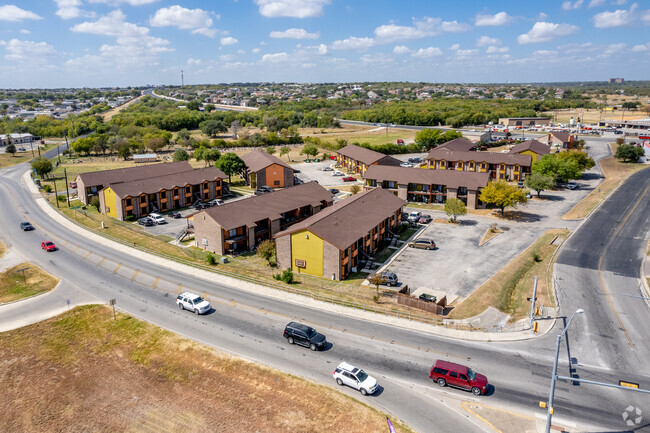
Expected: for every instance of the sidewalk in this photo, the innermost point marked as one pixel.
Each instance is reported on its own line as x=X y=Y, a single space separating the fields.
x=276 y=294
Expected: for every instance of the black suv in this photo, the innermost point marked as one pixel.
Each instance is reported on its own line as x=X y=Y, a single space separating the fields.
x=26 y=226
x=297 y=333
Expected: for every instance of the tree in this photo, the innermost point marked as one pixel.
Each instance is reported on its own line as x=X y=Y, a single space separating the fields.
x=284 y=150
x=376 y=280
x=354 y=189
x=124 y=151
x=82 y=145
x=11 y=149
x=560 y=169
x=183 y=135
x=630 y=105
x=231 y=164
x=584 y=161
x=428 y=138
x=627 y=152
x=309 y=150
x=42 y=166
x=209 y=108
x=180 y=155
x=193 y=105
x=502 y=195
x=270 y=150
x=538 y=182
x=213 y=127
x=156 y=144
x=455 y=207
x=266 y=250
x=235 y=127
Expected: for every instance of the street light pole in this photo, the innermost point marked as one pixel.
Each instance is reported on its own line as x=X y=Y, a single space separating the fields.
x=549 y=412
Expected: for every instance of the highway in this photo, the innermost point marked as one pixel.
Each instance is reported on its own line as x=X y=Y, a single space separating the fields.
x=250 y=325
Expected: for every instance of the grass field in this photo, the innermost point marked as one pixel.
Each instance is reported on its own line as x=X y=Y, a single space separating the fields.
x=6 y=160
x=3 y=250
x=508 y=289
x=108 y=115
x=83 y=371
x=13 y=287
x=591 y=116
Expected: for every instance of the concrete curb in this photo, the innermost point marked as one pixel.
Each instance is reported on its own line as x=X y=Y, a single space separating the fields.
x=272 y=293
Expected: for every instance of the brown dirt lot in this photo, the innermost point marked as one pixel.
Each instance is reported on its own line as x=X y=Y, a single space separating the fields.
x=85 y=372
x=593 y=115
x=113 y=111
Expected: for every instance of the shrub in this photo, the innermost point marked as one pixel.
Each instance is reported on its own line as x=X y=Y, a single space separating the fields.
x=95 y=203
x=130 y=218
x=211 y=259
x=376 y=298
x=61 y=197
x=537 y=257
x=286 y=276
x=47 y=188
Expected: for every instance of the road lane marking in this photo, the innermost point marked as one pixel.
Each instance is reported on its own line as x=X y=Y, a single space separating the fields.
x=600 y=262
x=119 y=265
x=135 y=274
x=155 y=282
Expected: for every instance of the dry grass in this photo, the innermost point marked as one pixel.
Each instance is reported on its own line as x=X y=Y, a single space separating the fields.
x=6 y=160
x=108 y=115
x=372 y=136
x=594 y=115
x=615 y=172
x=489 y=234
x=12 y=286
x=508 y=289
x=3 y=250
x=85 y=372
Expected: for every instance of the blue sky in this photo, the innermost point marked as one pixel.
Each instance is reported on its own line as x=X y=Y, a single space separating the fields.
x=94 y=43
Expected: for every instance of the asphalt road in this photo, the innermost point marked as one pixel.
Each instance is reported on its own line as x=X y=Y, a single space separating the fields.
x=250 y=325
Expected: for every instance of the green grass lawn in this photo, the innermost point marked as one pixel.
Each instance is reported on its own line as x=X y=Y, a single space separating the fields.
x=13 y=287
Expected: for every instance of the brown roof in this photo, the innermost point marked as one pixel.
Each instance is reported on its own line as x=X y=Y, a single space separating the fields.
x=366 y=156
x=451 y=178
x=350 y=219
x=106 y=177
x=489 y=157
x=533 y=146
x=258 y=160
x=564 y=137
x=169 y=181
x=461 y=144
x=272 y=205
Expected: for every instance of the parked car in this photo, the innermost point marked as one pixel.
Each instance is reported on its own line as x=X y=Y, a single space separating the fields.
x=295 y=170
x=48 y=246
x=190 y=301
x=26 y=226
x=404 y=216
x=388 y=279
x=400 y=141
x=200 y=206
x=175 y=215
x=328 y=168
x=520 y=184
x=346 y=374
x=427 y=297
x=297 y=333
x=263 y=190
x=414 y=217
x=415 y=160
x=349 y=179
x=334 y=190
x=425 y=219
x=456 y=375
x=157 y=218
x=333 y=157
x=406 y=164
x=146 y=221
x=22 y=149
x=572 y=184
x=216 y=202
x=338 y=173
x=297 y=181
x=73 y=185
x=425 y=244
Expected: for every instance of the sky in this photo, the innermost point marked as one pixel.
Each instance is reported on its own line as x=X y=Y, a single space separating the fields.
x=103 y=43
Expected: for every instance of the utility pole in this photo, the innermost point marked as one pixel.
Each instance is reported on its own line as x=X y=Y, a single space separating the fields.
x=56 y=194
x=532 y=304
x=67 y=190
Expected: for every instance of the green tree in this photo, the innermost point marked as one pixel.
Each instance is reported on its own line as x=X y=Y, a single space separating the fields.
x=630 y=105
x=209 y=108
x=266 y=250
x=11 y=148
x=42 y=166
x=180 y=155
x=124 y=151
x=156 y=144
x=627 y=152
x=270 y=150
x=502 y=195
x=82 y=145
x=284 y=150
x=193 y=105
x=231 y=164
x=560 y=169
x=584 y=161
x=539 y=182
x=455 y=207
x=309 y=150
x=213 y=127
x=183 y=135
x=428 y=138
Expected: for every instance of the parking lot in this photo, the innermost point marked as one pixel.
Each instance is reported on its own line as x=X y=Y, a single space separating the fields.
x=314 y=171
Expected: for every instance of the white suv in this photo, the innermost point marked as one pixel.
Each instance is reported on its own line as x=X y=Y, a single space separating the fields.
x=192 y=302
x=157 y=218
x=346 y=374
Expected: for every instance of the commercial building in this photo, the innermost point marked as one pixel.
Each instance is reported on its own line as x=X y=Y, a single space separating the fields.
x=267 y=170
x=534 y=148
x=428 y=186
x=334 y=242
x=89 y=184
x=160 y=193
x=15 y=139
x=145 y=157
x=357 y=159
x=507 y=166
x=240 y=225
x=524 y=121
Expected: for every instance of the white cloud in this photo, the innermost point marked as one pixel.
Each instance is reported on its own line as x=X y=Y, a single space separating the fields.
x=500 y=19
x=645 y=17
x=16 y=14
x=421 y=28
x=619 y=2
x=596 y=3
x=401 y=49
x=294 y=34
x=618 y=18
x=496 y=50
x=567 y=5
x=255 y=50
x=615 y=48
x=131 y=2
x=309 y=65
x=454 y=47
x=67 y=9
x=641 y=48
x=291 y=8
x=486 y=40
x=545 y=32
x=353 y=43
x=227 y=58
x=545 y=53
x=25 y=32
x=454 y=26
x=191 y=61
x=197 y=20
x=427 y=52
x=322 y=49
x=228 y=40
x=541 y=16
x=467 y=52
x=276 y=58
x=27 y=50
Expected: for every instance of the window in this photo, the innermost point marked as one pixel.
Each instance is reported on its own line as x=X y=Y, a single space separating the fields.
x=441 y=371
x=463 y=377
x=276 y=183
x=232 y=233
x=453 y=374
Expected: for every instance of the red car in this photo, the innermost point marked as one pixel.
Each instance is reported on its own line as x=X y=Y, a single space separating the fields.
x=333 y=157
x=349 y=179
x=425 y=219
x=48 y=246
x=459 y=376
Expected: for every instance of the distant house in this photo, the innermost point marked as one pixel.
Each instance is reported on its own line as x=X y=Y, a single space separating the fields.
x=461 y=144
x=563 y=140
x=238 y=226
x=534 y=148
x=357 y=159
x=476 y=136
x=267 y=170
x=145 y=157
x=524 y=121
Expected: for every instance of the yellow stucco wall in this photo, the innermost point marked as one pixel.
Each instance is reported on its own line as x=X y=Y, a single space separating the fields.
x=110 y=202
x=531 y=153
x=308 y=247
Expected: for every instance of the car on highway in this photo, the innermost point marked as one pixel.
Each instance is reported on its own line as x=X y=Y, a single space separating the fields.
x=338 y=173
x=48 y=246
x=414 y=217
x=303 y=335
x=425 y=219
x=192 y=302
x=349 y=179
x=26 y=226
x=146 y=221
x=328 y=168
x=354 y=377
x=448 y=373
x=425 y=244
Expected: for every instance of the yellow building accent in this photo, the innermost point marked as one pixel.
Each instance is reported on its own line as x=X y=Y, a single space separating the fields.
x=532 y=154
x=110 y=202
x=308 y=247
